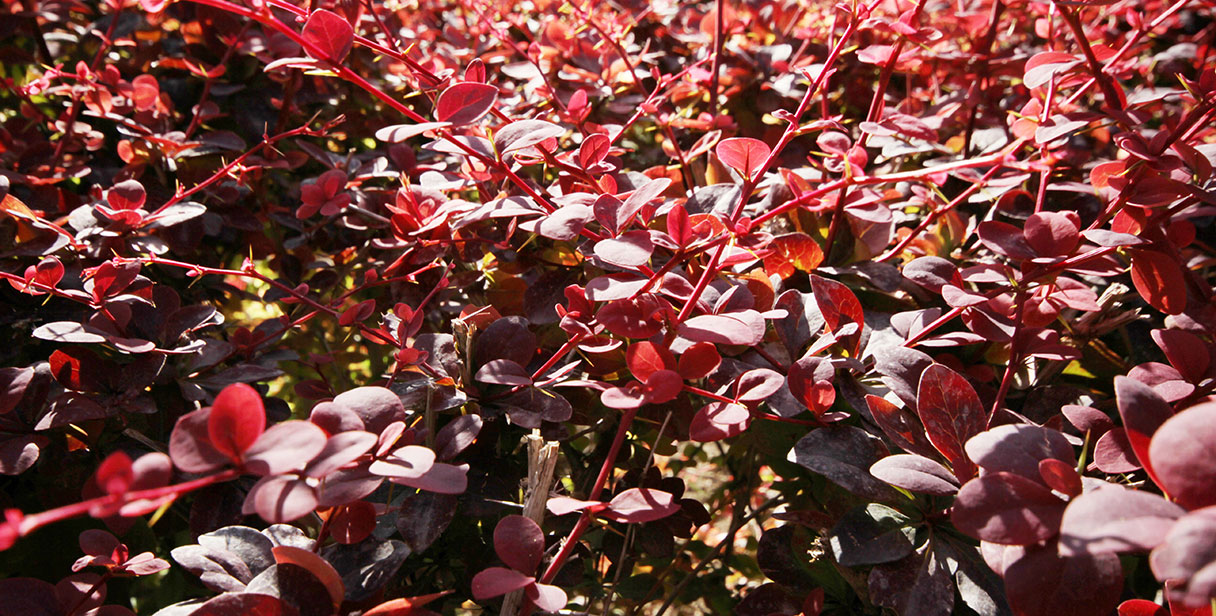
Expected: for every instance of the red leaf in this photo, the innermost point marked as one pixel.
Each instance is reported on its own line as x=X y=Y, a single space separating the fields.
x=678 y=226
x=593 y=149
x=352 y=523
x=126 y=195
x=115 y=474
x=663 y=386
x=1043 y=583
x=757 y=385
x=1159 y=279
x=1143 y=411
x=1185 y=351
x=1060 y=476
x=698 y=361
x=330 y=33
x=465 y=103
x=405 y=606
x=900 y=426
x=952 y=414
x=743 y=154
x=236 y=420
x=1053 y=234
x=645 y=358
x=1142 y=607
x=145 y=90
x=793 y=251
x=840 y=308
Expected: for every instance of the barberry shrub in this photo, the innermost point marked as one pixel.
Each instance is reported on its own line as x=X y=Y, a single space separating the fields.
x=779 y=307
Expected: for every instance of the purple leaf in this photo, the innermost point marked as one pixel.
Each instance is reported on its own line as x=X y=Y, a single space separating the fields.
x=287 y=446
x=916 y=473
x=757 y=385
x=1008 y=509
x=741 y=328
x=13 y=383
x=919 y=585
x=376 y=406
x=519 y=542
x=632 y=249
x=190 y=447
x=844 y=455
x=871 y=534
x=340 y=449
x=523 y=134
x=1116 y=519
x=400 y=132
x=638 y=505
x=503 y=372
x=280 y=499
x=718 y=420
x=1188 y=549
x=1018 y=449
x=456 y=436
x=440 y=478
x=547 y=597
x=1113 y=453
x=411 y=461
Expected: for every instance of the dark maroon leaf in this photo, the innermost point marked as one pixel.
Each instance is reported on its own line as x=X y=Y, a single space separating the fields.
x=916 y=473
x=952 y=414
x=1005 y=239
x=239 y=604
x=870 y=535
x=1087 y=419
x=844 y=455
x=1008 y=509
x=503 y=372
x=1043 y=583
x=519 y=542
x=919 y=585
x=190 y=447
x=1186 y=352
x=456 y=436
x=13 y=383
x=932 y=273
x=295 y=586
x=423 y=518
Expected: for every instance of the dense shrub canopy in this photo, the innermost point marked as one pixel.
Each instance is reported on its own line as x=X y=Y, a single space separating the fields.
x=767 y=308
